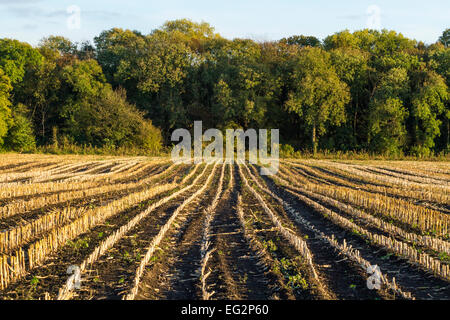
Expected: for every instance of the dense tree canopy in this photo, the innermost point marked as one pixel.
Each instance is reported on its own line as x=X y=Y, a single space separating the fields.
x=319 y=96
x=368 y=90
x=5 y=111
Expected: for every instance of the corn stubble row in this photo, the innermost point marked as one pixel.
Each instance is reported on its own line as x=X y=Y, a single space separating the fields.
x=205 y=251
x=10 y=177
x=38 y=251
x=401 y=248
x=367 y=174
x=429 y=242
x=435 y=169
x=14 y=166
x=65 y=292
x=261 y=253
x=372 y=185
x=64 y=176
x=156 y=241
x=363 y=172
x=410 y=177
x=18 y=207
x=15 y=237
x=56 y=171
x=366 y=201
x=417 y=217
x=351 y=253
x=28 y=189
x=297 y=242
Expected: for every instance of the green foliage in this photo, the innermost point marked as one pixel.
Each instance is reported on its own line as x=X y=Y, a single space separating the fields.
x=20 y=135
x=440 y=62
x=79 y=244
x=387 y=129
x=190 y=31
x=291 y=271
x=302 y=41
x=270 y=245
x=445 y=38
x=60 y=44
x=387 y=132
x=152 y=72
x=16 y=58
x=428 y=102
x=107 y=119
x=84 y=78
x=286 y=151
x=319 y=96
x=5 y=111
x=355 y=92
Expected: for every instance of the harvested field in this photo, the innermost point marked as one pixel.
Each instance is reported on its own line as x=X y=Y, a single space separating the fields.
x=145 y=228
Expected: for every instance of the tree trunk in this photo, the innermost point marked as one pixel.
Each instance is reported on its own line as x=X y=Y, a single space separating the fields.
x=43 y=124
x=448 y=134
x=314 y=139
x=355 y=119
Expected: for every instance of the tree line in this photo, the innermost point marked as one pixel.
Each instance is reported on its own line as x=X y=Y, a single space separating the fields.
x=366 y=91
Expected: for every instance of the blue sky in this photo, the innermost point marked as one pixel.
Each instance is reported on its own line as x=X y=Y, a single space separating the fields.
x=30 y=20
